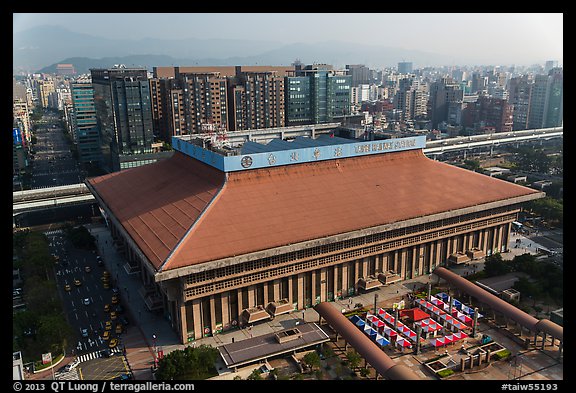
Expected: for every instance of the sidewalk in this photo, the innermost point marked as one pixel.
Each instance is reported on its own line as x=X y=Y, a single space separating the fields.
x=140 y=347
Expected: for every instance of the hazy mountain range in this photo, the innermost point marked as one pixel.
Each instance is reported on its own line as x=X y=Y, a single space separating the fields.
x=41 y=48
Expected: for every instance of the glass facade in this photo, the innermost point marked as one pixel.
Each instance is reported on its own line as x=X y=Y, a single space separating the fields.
x=317 y=97
x=85 y=126
x=123 y=107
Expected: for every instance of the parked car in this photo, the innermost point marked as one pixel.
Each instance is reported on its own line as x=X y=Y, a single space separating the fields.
x=72 y=365
x=84 y=332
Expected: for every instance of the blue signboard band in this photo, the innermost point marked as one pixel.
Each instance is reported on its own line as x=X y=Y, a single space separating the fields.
x=296 y=156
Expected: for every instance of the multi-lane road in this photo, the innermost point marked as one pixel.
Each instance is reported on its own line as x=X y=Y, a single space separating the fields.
x=54 y=164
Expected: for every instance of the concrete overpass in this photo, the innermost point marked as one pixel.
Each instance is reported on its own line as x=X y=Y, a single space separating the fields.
x=50 y=197
x=434 y=148
x=61 y=196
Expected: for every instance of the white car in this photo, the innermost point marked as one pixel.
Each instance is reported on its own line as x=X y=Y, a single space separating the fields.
x=86 y=301
x=71 y=366
x=84 y=332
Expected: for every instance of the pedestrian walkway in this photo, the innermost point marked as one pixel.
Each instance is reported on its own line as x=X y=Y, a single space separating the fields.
x=96 y=354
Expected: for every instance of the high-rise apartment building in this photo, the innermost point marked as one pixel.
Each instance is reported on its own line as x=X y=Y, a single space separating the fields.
x=519 y=93
x=45 y=87
x=257 y=100
x=489 y=113
x=445 y=94
x=84 y=125
x=123 y=108
x=188 y=100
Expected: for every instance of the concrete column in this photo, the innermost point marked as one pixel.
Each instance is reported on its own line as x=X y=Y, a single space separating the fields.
x=290 y=288
x=462 y=363
x=345 y=283
x=543 y=339
x=384 y=258
x=265 y=297
x=421 y=258
x=225 y=301
x=240 y=292
x=251 y=296
x=335 y=281
x=197 y=315
x=356 y=275
x=364 y=264
x=323 y=284
x=403 y=261
x=379 y=268
x=484 y=239
x=315 y=278
x=507 y=235
x=276 y=290
x=437 y=248
x=183 y=325
x=300 y=289
x=212 y=313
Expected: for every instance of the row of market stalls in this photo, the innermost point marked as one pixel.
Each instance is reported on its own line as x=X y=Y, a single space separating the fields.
x=431 y=317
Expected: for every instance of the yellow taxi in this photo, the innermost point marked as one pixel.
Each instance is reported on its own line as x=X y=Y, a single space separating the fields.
x=106 y=273
x=106 y=307
x=115 y=299
x=106 y=285
x=113 y=343
x=108 y=325
x=67 y=288
x=106 y=335
x=77 y=282
x=113 y=315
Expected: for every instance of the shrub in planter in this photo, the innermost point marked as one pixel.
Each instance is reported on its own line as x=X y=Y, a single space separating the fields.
x=445 y=373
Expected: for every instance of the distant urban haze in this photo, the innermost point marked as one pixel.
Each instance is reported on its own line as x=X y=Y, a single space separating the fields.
x=374 y=39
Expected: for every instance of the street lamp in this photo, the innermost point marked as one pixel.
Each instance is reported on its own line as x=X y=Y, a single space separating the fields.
x=375 y=299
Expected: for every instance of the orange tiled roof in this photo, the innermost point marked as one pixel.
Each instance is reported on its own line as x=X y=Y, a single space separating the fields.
x=270 y=207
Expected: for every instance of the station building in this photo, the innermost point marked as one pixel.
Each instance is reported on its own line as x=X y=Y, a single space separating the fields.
x=225 y=235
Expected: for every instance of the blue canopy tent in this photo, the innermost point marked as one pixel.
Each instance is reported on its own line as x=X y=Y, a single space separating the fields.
x=380 y=340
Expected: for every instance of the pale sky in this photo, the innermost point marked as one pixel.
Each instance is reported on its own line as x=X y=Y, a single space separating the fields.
x=511 y=35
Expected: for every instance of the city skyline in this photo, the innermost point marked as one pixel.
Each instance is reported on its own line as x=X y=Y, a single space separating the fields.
x=460 y=38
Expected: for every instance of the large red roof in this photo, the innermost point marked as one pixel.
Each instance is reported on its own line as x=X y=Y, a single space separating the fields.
x=184 y=207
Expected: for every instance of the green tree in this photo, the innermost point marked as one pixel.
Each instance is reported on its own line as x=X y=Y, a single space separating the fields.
x=312 y=359
x=354 y=358
x=255 y=375
x=495 y=266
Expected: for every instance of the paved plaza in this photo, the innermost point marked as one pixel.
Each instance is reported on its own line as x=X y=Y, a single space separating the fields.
x=530 y=364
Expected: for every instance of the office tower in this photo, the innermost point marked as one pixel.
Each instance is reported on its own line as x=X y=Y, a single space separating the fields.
x=404 y=67
x=444 y=94
x=519 y=93
x=549 y=65
x=123 y=109
x=317 y=94
x=359 y=73
x=546 y=104
x=84 y=125
x=553 y=116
